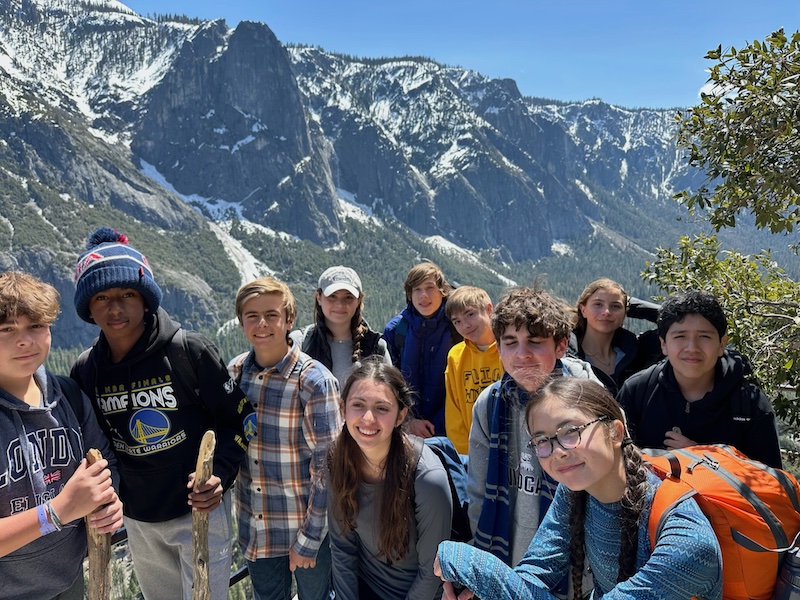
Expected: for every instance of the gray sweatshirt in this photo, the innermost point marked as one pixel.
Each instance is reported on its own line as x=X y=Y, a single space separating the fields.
x=355 y=554
x=40 y=448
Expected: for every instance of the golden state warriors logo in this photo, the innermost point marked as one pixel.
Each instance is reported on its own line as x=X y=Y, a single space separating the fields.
x=250 y=426
x=152 y=431
x=148 y=426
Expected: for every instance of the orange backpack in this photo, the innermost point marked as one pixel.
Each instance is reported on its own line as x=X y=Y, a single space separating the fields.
x=754 y=510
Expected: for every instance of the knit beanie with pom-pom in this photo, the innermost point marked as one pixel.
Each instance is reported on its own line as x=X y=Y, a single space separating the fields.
x=110 y=262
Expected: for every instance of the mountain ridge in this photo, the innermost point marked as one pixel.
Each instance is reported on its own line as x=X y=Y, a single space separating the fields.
x=224 y=154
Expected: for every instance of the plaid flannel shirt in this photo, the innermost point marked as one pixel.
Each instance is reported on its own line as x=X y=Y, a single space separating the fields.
x=280 y=492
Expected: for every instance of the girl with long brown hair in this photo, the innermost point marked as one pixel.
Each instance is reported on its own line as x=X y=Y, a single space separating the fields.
x=339 y=335
x=599 y=338
x=599 y=515
x=389 y=504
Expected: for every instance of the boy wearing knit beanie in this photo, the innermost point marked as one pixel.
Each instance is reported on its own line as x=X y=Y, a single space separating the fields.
x=157 y=389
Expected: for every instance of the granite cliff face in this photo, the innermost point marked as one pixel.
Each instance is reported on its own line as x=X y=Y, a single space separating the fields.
x=227 y=122
x=222 y=149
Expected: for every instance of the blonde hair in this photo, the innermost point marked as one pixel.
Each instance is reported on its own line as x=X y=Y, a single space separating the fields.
x=262 y=286
x=465 y=298
x=22 y=294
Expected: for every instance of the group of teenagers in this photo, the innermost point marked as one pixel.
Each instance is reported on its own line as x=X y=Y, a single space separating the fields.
x=320 y=435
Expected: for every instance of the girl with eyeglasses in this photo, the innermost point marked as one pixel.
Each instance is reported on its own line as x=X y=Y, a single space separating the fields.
x=599 y=515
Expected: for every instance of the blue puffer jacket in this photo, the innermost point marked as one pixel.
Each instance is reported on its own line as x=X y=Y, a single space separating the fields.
x=419 y=348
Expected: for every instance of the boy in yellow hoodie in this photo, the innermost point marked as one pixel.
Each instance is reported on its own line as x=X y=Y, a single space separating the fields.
x=472 y=365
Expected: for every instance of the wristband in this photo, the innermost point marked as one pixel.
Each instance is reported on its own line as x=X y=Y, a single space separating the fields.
x=53 y=516
x=45 y=526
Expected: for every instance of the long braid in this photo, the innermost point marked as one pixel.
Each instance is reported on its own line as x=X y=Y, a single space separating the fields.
x=633 y=500
x=357 y=330
x=577 y=551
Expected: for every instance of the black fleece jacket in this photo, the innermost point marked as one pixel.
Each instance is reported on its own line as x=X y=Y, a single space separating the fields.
x=155 y=422
x=734 y=412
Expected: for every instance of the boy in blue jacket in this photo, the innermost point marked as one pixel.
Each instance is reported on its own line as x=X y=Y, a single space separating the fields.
x=419 y=339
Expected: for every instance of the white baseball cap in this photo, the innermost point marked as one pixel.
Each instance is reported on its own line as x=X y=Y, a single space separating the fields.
x=340 y=278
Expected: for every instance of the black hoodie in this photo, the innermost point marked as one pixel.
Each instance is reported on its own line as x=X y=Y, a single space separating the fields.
x=155 y=421
x=734 y=412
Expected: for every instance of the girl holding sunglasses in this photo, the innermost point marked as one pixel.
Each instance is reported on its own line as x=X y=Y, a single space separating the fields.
x=599 y=515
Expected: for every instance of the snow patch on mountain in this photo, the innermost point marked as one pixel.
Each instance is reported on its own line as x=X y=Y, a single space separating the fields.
x=585 y=189
x=249 y=266
x=214 y=208
x=252 y=228
x=466 y=256
x=561 y=249
x=348 y=208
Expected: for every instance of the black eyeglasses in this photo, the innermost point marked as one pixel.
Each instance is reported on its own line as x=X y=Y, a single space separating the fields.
x=568 y=437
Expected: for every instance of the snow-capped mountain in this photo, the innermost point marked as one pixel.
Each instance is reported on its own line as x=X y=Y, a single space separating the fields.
x=212 y=140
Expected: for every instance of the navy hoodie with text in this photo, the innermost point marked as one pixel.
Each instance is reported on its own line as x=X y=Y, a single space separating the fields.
x=41 y=448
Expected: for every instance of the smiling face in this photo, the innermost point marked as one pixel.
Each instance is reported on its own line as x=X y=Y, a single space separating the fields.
x=595 y=464
x=529 y=359
x=604 y=310
x=24 y=345
x=338 y=308
x=119 y=312
x=371 y=413
x=427 y=297
x=692 y=347
x=474 y=324
x=266 y=326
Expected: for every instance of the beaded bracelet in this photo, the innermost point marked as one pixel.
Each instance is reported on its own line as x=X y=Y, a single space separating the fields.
x=53 y=516
x=45 y=526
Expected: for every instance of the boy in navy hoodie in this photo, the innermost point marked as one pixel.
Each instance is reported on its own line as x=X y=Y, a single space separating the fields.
x=157 y=389
x=419 y=339
x=46 y=427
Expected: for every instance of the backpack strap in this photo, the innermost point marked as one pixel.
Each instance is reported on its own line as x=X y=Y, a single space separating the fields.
x=181 y=362
x=308 y=332
x=459 y=522
x=74 y=396
x=741 y=407
x=400 y=336
x=650 y=390
x=671 y=492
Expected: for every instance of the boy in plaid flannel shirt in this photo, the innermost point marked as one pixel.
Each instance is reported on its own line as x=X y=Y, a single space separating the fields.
x=280 y=496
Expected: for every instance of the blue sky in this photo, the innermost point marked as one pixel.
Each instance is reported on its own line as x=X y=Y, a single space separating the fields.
x=638 y=53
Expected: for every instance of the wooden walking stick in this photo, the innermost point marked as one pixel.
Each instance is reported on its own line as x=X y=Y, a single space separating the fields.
x=201 y=589
x=99 y=545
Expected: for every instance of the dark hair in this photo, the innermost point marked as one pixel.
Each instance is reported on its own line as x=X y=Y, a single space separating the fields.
x=593 y=399
x=536 y=310
x=358 y=327
x=603 y=283
x=692 y=302
x=345 y=461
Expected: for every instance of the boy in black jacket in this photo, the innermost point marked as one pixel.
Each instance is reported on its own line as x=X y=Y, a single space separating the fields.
x=156 y=390
x=700 y=394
